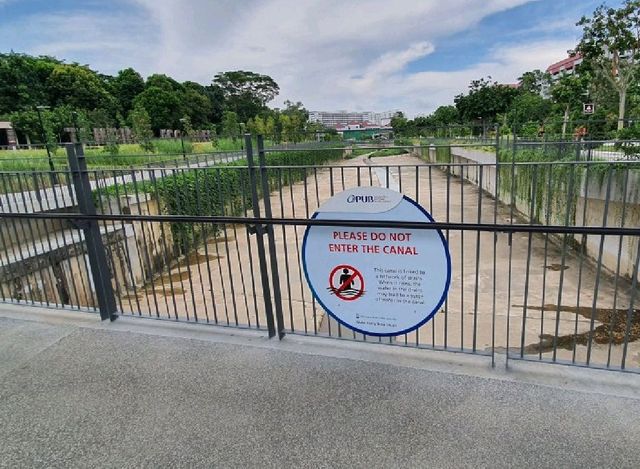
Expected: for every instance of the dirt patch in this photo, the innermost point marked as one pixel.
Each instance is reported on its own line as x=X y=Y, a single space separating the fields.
x=616 y=325
x=198 y=258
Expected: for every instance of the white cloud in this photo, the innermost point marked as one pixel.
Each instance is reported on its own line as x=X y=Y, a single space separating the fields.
x=330 y=54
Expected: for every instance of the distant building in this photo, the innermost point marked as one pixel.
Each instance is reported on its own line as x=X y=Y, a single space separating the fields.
x=8 y=136
x=559 y=69
x=334 y=119
x=363 y=130
x=564 y=67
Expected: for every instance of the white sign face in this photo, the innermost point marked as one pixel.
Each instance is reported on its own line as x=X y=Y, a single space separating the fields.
x=588 y=108
x=377 y=281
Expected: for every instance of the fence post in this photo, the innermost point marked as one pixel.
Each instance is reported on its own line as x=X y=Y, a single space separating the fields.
x=275 y=277
x=100 y=272
x=259 y=231
x=578 y=150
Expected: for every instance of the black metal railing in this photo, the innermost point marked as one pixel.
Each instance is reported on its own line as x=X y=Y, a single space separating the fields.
x=544 y=253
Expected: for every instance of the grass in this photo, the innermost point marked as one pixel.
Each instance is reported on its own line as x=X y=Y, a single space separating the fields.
x=126 y=155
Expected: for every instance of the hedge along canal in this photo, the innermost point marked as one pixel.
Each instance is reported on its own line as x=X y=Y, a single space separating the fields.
x=547 y=186
x=223 y=189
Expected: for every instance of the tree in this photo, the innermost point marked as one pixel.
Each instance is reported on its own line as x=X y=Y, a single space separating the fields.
x=528 y=108
x=141 y=127
x=297 y=117
x=125 y=87
x=446 y=115
x=160 y=80
x=569 y=92
x=485 y=100
x=535 y=81
x=399 y=124
x=270 y=127
x=22 y=81
x=611 y=44
x=246 y=93
x=78 y=87
x=230 y=125
x=163 y=106
x=28 y=123
x=196 y=104
x=216 y=98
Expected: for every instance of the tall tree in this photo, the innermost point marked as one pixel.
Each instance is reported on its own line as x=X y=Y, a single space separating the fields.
x=160 y=80
x=164 y=107
x=23 y=81
x=230 y=125
x=80 y=88
x=246 y=93
x=569 y=92
x=445 y=115
x=141 y=127
x=197 y=104
x=485 y=100
x=534 y=81
x=126 y=85
x=611 y=44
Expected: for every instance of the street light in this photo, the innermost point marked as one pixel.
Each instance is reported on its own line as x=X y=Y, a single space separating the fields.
x=54 y=178
x=241 y=134
x=184 y=154
x=74 y=116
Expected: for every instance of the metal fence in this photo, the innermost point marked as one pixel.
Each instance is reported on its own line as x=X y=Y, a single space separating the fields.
x=544 y=253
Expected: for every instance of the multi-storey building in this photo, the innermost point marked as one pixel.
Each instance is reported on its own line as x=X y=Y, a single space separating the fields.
x=338 y=118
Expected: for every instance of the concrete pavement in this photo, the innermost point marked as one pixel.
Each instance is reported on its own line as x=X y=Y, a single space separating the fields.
x=75 y=392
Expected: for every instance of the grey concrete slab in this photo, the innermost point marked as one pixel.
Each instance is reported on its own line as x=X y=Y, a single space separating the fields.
x=114 y=398
x=21 y=340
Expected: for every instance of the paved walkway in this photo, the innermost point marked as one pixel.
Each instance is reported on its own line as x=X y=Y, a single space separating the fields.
x=75 y=392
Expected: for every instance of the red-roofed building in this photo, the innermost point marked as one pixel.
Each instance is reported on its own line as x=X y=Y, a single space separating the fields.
x=565 y=66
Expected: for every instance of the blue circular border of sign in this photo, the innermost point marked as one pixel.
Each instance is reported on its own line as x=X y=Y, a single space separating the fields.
x=392 y=334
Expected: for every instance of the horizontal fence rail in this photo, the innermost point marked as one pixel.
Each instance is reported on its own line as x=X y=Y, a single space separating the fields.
x=544 y=253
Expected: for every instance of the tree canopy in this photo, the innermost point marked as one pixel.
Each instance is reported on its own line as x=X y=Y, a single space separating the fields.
x=69 y=93
x=611 y=44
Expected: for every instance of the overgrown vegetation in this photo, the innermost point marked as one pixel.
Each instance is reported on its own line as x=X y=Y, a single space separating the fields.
x=219 y=190
x=389 y=152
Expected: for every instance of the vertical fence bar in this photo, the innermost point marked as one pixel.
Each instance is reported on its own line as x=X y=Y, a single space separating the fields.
x=95 y=247
x=260 y=231
x=275 y=277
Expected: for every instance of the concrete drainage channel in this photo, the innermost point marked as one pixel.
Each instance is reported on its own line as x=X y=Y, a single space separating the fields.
x=515 y=291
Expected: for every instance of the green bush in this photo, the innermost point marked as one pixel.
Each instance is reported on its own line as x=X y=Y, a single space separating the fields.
x=389 y=152
x=220 y=190
x=402 y=141
x=628 y=143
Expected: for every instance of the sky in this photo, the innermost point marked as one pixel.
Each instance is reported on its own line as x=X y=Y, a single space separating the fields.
x=409 y=55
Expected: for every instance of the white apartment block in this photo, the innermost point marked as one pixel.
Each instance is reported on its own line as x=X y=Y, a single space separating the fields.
x=333 y=119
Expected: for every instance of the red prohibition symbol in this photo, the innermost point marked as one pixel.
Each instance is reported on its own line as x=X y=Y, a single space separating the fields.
x=346 y=282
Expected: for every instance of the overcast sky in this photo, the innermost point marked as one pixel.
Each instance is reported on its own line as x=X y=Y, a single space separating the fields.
x=412 y=55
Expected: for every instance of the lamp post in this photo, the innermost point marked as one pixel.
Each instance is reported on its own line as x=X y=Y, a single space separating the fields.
x=241 y=133
x=54 y=178
x=184 y=154
x=74 y=116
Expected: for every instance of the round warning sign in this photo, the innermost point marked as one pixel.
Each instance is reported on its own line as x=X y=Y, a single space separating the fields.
x=377 y=281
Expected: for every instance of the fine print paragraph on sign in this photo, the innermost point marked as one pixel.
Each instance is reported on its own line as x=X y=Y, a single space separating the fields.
x=377 y=281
